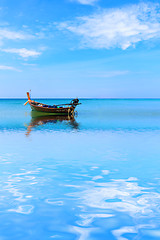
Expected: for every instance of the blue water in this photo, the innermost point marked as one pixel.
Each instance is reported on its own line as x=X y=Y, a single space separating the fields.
x=93 y=177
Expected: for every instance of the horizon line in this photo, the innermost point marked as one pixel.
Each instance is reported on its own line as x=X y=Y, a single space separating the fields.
x=87 y=98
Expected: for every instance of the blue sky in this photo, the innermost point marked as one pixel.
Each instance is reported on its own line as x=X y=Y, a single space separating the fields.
x=80 y=48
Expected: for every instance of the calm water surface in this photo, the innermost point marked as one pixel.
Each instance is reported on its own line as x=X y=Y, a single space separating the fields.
x=93 y=177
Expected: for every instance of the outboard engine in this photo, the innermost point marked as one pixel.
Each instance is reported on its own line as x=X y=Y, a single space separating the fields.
x=75 y=102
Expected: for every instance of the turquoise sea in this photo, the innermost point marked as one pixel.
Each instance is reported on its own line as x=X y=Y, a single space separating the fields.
x=94 y=177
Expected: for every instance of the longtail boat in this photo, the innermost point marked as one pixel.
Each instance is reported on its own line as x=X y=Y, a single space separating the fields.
x=61 y=109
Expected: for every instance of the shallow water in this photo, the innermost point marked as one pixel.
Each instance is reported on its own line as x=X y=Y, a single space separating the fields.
x=93 y=177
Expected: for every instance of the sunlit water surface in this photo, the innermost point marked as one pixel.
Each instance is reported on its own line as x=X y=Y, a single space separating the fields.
x=93 y=177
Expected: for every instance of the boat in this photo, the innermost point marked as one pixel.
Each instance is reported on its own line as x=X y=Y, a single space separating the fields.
x=61 y=109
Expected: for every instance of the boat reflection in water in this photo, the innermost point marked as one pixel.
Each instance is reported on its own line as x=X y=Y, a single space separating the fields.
x=39 y=119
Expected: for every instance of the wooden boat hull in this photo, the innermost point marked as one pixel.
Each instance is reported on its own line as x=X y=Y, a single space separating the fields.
x=46 y=116
x=53 y=111
x=62 y=109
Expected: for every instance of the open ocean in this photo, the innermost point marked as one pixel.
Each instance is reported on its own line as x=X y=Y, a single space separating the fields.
x=95 y=177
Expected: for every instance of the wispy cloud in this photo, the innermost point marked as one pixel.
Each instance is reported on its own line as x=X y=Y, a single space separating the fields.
x=108 y=74
x=22 y=52
x=29 y=64
x=3 y=67
x=119 y=27
x=14 y=35
x=85 y=2
x=7 y=34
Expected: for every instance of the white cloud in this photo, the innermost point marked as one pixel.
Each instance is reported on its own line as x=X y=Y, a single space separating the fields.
x=85 y=2
x=29 y=64
x=3 y=67
x=14 y=35
x=7 y=34
x=108 y=74
x=118 y=27
x=23 y=52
